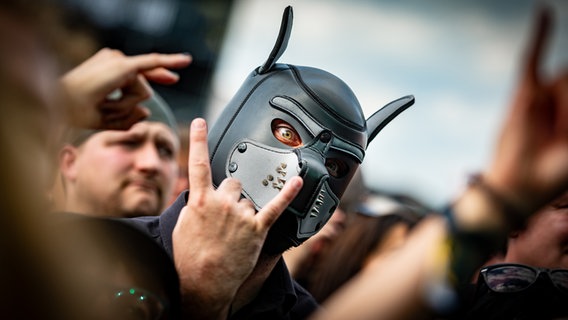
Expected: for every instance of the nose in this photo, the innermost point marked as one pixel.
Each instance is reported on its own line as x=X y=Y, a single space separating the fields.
x=148 y=158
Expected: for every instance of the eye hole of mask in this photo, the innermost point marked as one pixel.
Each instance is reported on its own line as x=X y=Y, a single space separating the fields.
x=285 y=133
x=336 y=168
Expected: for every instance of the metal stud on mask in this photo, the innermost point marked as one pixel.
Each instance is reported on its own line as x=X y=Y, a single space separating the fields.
x=331 y=135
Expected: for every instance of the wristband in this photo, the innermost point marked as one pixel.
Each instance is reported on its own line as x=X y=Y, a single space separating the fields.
x=469 y=249
x=512 y=214
x=461 y=253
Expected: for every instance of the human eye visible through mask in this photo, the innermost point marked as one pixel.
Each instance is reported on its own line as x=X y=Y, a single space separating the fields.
x=285 y=133
x=336 y=167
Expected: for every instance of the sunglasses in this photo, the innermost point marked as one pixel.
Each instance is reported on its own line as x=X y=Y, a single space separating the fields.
x=511 y=277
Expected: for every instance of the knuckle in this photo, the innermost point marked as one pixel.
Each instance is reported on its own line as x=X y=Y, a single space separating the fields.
x=115 y=52
x=234 y=182
x=226 y=205
x=197 y=137
x=199 y=199
x=154 y=57
x=246 y=202
x=105 y=51
x=145 y=95
x=200 y=163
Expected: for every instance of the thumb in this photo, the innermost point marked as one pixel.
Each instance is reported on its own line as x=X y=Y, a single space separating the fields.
x=273 y=209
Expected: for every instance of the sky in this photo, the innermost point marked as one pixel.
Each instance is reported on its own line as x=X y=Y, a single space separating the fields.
x=458 y=58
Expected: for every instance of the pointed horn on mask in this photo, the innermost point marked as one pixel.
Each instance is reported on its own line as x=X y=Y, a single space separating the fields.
x=378 y=120
x=281 y=41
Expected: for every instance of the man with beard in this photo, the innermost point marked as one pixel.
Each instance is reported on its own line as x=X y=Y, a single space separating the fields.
x=120 y=173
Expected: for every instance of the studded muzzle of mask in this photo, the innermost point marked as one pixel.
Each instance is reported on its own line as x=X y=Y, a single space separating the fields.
x=287 y=121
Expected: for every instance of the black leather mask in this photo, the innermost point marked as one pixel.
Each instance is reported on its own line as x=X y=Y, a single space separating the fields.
x=328 y=119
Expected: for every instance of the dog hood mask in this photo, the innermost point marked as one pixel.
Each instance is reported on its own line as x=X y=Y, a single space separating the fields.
x=287 y=121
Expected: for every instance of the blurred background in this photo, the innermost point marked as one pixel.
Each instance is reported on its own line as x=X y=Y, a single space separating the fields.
x=458 y=58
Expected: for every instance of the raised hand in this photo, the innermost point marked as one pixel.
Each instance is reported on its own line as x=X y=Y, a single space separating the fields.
x=530 y=165
x=529 y=169
x=218 y=236
x=87 y=87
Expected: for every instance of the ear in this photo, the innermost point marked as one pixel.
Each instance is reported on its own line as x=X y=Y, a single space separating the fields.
x=379 y=119
x=281 y=41
x=68 y=162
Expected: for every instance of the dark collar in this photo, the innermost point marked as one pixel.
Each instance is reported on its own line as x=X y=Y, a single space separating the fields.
x=277 y=295
x=168 y=220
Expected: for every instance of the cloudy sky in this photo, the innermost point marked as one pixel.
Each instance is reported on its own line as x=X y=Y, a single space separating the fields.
x=458 y=58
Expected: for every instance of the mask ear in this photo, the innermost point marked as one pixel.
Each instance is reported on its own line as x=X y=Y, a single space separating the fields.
x=378 y=120
x=281 y=41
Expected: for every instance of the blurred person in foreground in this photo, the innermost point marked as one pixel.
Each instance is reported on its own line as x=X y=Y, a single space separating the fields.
x=379 y=225
x=530 y=279
x=529 y=170
x=38 y=271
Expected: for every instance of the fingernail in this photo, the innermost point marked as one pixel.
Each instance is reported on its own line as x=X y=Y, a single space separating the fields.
x=296 y=183
x=198 y=123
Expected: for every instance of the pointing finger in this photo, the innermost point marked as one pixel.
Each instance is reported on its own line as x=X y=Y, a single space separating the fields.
x=146 y=62
x=111 y=122
x=198 y=163
x=161 y=76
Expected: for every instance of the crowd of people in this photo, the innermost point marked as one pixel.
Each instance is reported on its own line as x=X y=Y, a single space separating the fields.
x=102 y=220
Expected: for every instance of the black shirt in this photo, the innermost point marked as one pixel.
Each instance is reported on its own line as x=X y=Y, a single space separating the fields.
x=281 y=297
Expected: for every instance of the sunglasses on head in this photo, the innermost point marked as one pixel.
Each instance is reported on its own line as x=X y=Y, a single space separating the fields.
x=512 y=277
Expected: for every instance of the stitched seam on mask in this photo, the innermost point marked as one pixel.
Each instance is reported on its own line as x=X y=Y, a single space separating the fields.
x=237 y=113
x=314 y=96
x=360 y=160
x=306 y=113
x=298 y=116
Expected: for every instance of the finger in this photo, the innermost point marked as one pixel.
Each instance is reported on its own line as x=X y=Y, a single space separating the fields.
x=273 y=209
x=535 y=52
x=130 y=96
x=198 y=163
x=139 y=89
x=246 y=202
x=107 y=53
x=151 y=61
x=246 y=207
x=231 y=187
x=120 y=109
x=122 y=70
x=136 y=115
x=161 y=76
